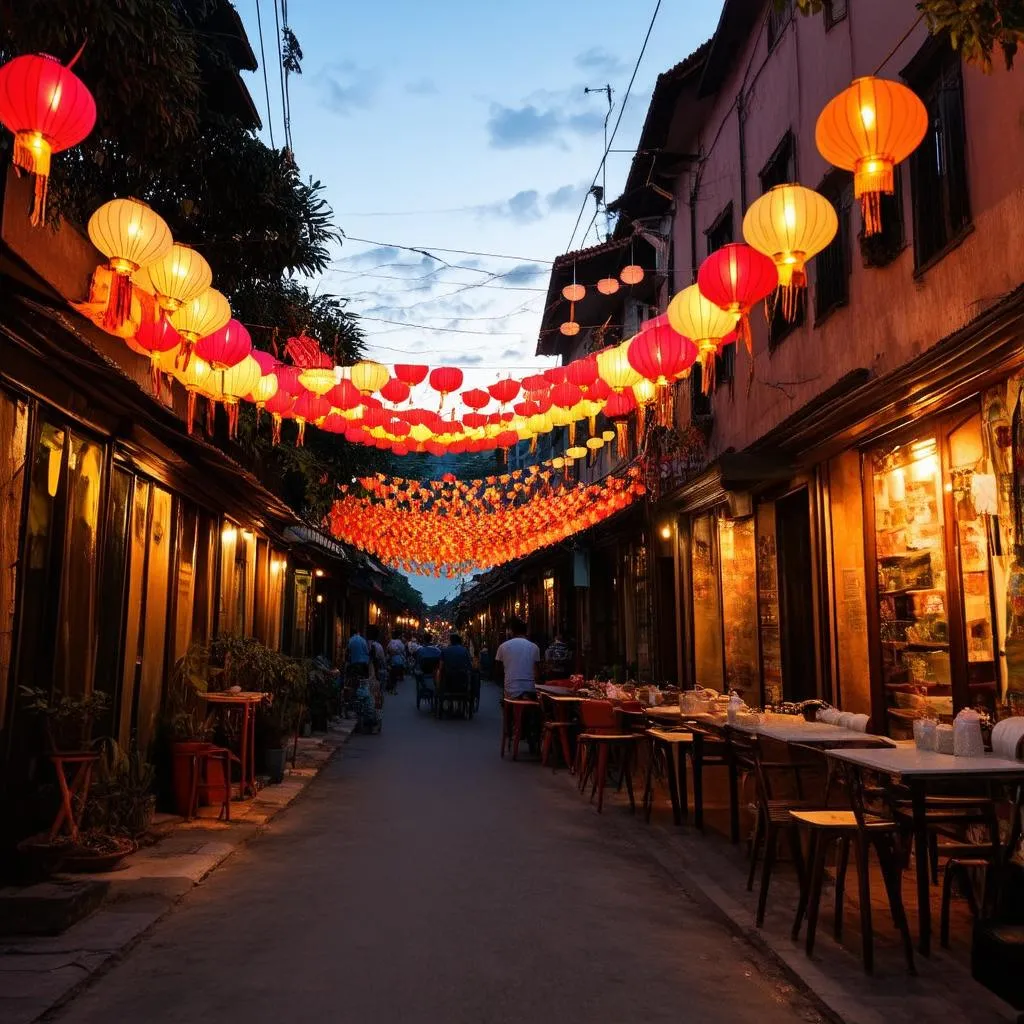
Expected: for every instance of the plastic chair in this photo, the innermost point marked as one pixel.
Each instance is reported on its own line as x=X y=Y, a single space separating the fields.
x=555 y=732
x=513 y=713
x=602 y=736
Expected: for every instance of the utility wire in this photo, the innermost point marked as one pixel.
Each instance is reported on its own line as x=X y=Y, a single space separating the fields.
x=443 y=330
x=266 y=81
x=280 y=68
x=422 y=250
x=287 y=94
x=618 y=121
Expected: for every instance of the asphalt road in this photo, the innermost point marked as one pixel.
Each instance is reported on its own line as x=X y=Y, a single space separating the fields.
x=422 y=878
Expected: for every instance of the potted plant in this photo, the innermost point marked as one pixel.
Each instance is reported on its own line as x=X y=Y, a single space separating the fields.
x=67 y=721
x=189 y=725
x=122 y=800
x=287 y=694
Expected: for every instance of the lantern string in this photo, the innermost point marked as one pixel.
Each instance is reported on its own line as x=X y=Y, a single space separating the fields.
x=906 y=35
x=74 y=60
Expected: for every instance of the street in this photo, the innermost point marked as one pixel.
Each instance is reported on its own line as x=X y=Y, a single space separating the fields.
x=422 y=878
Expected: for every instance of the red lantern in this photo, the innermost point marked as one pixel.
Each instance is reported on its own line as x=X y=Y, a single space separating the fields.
x=308 y=409
x=535 y=382
x=599 y=391
x=446 y=379
x=344 y=396
x=434 y=448
x=49 y=109
x=582 y=372
x=155 y=337
x=288 y=380
x=504 y=391
x=395 y=391
x=410 y=373
x=474 y=420
x=225 y=348
x=736 y=277
x=279 y=406
x=268 y=364
x=476 y=398
x=659 y=353
x=618 y=409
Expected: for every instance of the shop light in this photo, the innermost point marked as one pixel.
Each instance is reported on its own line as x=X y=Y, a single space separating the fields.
x=228 y=534
x=319 y=572
x=319 y=598
x=666 y=531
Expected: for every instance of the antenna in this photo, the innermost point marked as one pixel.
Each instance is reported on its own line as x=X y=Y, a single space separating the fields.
x=607 y=90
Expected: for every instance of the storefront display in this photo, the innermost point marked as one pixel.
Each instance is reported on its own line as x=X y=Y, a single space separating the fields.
x=739 y=606
x=768 y=604
x=707 y=612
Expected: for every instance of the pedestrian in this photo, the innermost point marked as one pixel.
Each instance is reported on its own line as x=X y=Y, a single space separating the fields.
x=519 y=660
x=486 y=662
x=396 y=663
x=358 y=656
x=378 y=660
x=428 y=657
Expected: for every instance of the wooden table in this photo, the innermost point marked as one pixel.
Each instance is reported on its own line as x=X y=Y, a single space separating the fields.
x=812 y=734
x=916 y=768
x=558 y=691
x=245 y=702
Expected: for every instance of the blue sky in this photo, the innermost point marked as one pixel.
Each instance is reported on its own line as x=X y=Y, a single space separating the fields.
x=463 y=125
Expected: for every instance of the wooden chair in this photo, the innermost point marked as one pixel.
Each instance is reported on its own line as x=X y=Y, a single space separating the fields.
x=711 y=750
x=555 y=731
x=602 y=736
x=199 y=785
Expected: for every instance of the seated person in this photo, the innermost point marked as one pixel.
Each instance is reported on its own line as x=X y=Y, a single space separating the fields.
x=519 y=661
x=428 y=657
x=456 y=666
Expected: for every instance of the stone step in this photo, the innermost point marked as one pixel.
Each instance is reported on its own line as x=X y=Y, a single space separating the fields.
x=49 y=908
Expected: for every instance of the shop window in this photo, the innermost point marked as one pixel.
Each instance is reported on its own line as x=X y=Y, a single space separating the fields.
x=779 y=16
x=204 y=588
x=781 y=170
x=881 y=248
x=832 y=264
x=13 y=451
x=133 y=619
x=768 y=604
x=938 y=167
x=185 y=578
x=303 y=587
x=835 y=12
x=707 y=604
x=721 y=231
x=736 y=548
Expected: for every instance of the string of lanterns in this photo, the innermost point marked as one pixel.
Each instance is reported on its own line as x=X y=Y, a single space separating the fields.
x=449 y=528
x=158 y=295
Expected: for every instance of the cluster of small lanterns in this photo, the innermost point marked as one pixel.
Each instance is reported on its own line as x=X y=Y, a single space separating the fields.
x=157 y=294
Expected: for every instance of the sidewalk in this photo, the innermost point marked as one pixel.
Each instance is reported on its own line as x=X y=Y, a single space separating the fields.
x=37 y=974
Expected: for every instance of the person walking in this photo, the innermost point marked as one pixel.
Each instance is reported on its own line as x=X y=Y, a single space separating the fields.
x=358 y=656
x=454 y=672
x=396 y=663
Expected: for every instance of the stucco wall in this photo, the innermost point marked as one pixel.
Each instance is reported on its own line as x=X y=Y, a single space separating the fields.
x=892 y=315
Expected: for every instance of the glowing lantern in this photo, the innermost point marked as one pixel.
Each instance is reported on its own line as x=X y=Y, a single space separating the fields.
x=49 y=109
x=178 y=277
x=503 y=391
x=476 y=398
x=239 y=381
x=345 y=396
x=445 y=380
x=573 y=292
x=395 y=391
x=618 y=409
x=308 y=408
x=155 y=338
x=279 y=406
x=576 y=452
x=318 y=379
x=130 y=235
x=581 y=372
x=570 y=328
x=790 y=224
x=268 y=364
x=206 y=313
x=369 y=376
x=614 y=367
x=607 y=435
x=608 y=285
x=410 y=373
x=195 y=378
x=659 y=353
x=632 y=274
x=706 y=324
x=264 y=389
x=868 y=129
x=736 y=277
x=225 y=348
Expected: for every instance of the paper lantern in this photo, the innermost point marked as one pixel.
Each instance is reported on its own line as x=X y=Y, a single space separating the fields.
x=445 y=380
x=369 y=376
x=49 y=109
x=706 y=324
x=573 y=292
x=130 y=235
x=868 y=129
x=226 y=347
x=279 y=405
x=631 y=274
x=475 y=398
x=154 y=338
x=576 y=452
x=345 y=396
x=411 y=373
x=267 y=362
x=206 y=313
x=790 y=224
x=608 y=285
x=265 y=389
x=736 y=277
x=237 y=382
x=504 y=391
x=659 y=353
x=308 y=408
x=318 y=379
x=570 y=328
x=614 y=367
x=194 y=376
x=581 y=372
x=178 y=277
x=395 y=391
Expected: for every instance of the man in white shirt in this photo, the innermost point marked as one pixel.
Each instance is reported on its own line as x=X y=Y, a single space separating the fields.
x=519 y=659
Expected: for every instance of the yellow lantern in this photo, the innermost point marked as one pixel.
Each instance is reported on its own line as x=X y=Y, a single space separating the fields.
x=265 y=389
x=369 y=376
x=318 y=379
x=790 y=224
x=177 y=278
x=705 y=324
x=868 y=129
x=242 y=379
x=195 y=377
x=645 y=391
x=576 y=452
x=207 y=312
x=614 y=368
x=607 y=435
x=130 y=235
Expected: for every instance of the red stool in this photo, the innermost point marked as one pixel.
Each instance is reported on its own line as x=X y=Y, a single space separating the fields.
x=513 y=710
x=199 y=783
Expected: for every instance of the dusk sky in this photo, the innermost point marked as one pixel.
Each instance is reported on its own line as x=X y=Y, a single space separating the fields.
x=463 y=125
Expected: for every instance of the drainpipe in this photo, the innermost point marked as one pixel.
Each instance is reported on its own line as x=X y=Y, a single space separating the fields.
x=693 y=231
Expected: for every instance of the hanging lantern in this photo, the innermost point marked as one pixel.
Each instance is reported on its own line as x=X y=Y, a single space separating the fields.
x=308 y=408
x=237 y=382
x=226 y=347
x=49 y=109
x=206 y=313
x=581 y=372
x=868 y=129
x=659 y=353
x=395 y=391
x=369 y=376
x=607 y=435
x=573 y=292
x=618 y=409
x=411 y=373
x=608 y=285
x=445 y=380
x=279 y=406
x=344 y=396
x=614 y=367
x=504 y=391
x=790 y=224
x=265 y=389
x=177 y=278
x=631 y=274
x=475 y=398
x=736 y=277
x=318 y=379
x=130 y=235
x=155 y=338
x=195 y=377
x=570 y=328
x=706 y=324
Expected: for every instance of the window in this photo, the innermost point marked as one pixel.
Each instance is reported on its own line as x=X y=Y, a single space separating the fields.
x=835 y=12
x=938 y=168
x=832 y=265
x=781 y=170
x=880 y=249
x=722 y=233
x=13 y=451
x=779 y=15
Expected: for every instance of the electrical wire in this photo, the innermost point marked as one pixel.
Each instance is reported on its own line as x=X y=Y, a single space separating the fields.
x=266 y=80
x=280 y=68
x=423 y=251
x=618 y=121
x=287 y=94
x=442 y=330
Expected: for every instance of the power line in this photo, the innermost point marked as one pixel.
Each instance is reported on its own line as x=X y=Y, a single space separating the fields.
x=398 y=277
x=423 y=251
x=618 y=121
x=280 y=68
x=444 y=330
x=266 y=81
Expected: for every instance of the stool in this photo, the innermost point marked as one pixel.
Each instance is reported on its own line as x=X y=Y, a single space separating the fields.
x=513 y=710
x=198 y=784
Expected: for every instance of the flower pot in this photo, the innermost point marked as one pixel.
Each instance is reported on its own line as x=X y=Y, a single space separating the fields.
x=181 y=777
x=87 y=860
x=275 y=765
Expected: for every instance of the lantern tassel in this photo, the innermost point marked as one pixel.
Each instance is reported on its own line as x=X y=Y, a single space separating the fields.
x=641 y=421
x=743 y=333
x=621 y=438
x=32 y=154
x=665 y=404
x=184 y=356
x=572 y=432
x=871 y=211
x=300 y=438
x=191 y=418
x=533 y=445
x=707 y=380
x=871 y=178
x=119 y=304
x=154 y=376
x=211 y=418
x=275 y=428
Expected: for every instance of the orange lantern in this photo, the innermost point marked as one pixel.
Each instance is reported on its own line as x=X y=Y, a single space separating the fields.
x=632 y=274
x=608 y=285
x=868 y=129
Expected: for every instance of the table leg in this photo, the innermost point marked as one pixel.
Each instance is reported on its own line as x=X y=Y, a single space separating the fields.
x=251 y=713
x=924 y=905
x=734 y=801
x=673 y=782
x=243 y=751
x=698 y=780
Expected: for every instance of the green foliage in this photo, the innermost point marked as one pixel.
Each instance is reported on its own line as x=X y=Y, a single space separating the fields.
x=975 y=28
x=121 y=798
x=184 y=710
x=68 y=721
x=398 y=587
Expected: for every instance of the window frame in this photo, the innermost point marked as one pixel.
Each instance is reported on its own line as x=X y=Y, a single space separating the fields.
x=831 y=18
x=783 y=156
x=714 y=239
x=837 y=188
x=778 y=22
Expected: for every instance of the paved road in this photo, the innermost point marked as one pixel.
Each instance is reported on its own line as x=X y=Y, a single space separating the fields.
x=421 y=878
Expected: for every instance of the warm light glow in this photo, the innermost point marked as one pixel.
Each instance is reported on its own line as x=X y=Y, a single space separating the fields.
x=666 y=531
x=319 y=598
x=318 y=572
x=229 y=534
x=867 y=116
